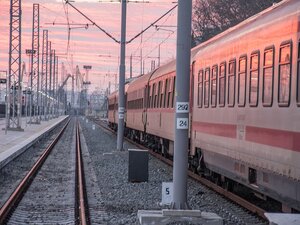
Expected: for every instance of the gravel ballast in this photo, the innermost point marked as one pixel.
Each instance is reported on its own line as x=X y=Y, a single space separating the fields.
x=122 y=199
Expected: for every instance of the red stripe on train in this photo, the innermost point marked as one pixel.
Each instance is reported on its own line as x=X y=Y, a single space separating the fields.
x=276 y=138
x=224 y=130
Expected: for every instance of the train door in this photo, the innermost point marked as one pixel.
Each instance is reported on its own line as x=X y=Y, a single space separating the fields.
x=144 y=116
x=192 y=77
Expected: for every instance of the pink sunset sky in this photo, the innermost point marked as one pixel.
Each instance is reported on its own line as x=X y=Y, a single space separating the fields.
x=91 y=46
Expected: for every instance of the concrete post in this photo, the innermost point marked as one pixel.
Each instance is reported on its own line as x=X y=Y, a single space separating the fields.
x=122 y=79
x=182 y=91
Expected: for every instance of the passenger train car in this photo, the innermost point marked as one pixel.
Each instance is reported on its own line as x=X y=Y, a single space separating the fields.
x=245 y=105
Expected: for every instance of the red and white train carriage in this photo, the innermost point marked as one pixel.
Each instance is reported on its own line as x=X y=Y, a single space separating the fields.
x=245 y=114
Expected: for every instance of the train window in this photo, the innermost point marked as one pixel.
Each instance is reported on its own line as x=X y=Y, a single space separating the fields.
x=242 y=78
x=298 y=76
x=284 y=74
x=150 y=97
x=153 y=96
x=200 y=88
x=158 y=94
x=156 y=98
x=169 y=94
x=231 y=83
x=268 y=77
x=214 y=76
x=173 y=91
x=161 y=94
x=254 y=79
x=206 y=87
x=166 y=91
x=222 y=84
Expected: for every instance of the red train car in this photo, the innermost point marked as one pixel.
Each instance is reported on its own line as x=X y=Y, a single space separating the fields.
x=245 y=98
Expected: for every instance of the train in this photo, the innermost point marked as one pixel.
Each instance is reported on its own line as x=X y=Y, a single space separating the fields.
x=244 y=106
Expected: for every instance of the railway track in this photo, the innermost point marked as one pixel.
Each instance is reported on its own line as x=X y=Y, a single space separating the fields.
x=50 y=192
x=229 y=195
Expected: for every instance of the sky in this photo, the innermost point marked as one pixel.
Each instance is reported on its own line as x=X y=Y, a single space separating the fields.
x=89 y=45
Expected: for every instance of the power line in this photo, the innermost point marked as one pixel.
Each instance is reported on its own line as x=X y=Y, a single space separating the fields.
x=109 y=35
x=93 y=23
x=152 y=24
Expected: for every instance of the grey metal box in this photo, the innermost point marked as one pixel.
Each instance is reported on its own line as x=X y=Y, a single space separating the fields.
x=138 y=165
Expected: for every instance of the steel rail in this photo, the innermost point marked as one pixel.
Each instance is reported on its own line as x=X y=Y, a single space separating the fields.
x=17 y=195
x=82 y=209
x=229 y=195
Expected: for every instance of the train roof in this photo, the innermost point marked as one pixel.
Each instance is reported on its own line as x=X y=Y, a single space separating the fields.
x=248 y=25
x=269 y=15
x=139 y=82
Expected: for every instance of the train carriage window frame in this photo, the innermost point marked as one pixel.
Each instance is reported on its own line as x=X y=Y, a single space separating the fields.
x=206 y=86
x=298 y=76
x=173 y=91
x=222 y=93
x=200 y=92
x=231 y=77
x=166 y=92
x=270 y=94
x=161 y=94
x=158 y=94
x=288 y=64
x=253 y=71
x=153 y=95
x=241 y=99
x=150 y=96
x=169 y=94
x=214 y=79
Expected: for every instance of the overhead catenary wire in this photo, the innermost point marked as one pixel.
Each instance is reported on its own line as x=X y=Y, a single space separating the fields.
x=152 y=24
x=109 y=35
x=155 y=31
x=93 y=23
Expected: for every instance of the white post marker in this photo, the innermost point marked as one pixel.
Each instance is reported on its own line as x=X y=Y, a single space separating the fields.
x=86 y=121
x=167 y=193
x=93 y=126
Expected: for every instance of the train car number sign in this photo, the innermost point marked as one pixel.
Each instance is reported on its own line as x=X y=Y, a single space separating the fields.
x=182 y=123
x=182 y=107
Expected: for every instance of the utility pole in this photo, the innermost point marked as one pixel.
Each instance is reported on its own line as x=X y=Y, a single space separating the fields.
x=48 y=74
x=55 y=89
x=13 y=103
x=122 y=79
x=182 y=90
x=51 y=85
x=44 y=72
x=35 y=63
x=130 y=66
x=86 y=84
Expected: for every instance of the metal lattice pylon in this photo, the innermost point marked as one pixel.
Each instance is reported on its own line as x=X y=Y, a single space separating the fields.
x=44 y=71
x=14 y=101
x=51 y=84
x=55 y=88
x=34 y=100
x=49 y=59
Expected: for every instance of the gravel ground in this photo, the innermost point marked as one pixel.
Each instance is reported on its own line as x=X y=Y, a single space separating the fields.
x=12 y=173
x=122 y=199
x=50 y=199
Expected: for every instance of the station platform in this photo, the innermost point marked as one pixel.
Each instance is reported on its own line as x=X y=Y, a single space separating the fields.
x=13 y=143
